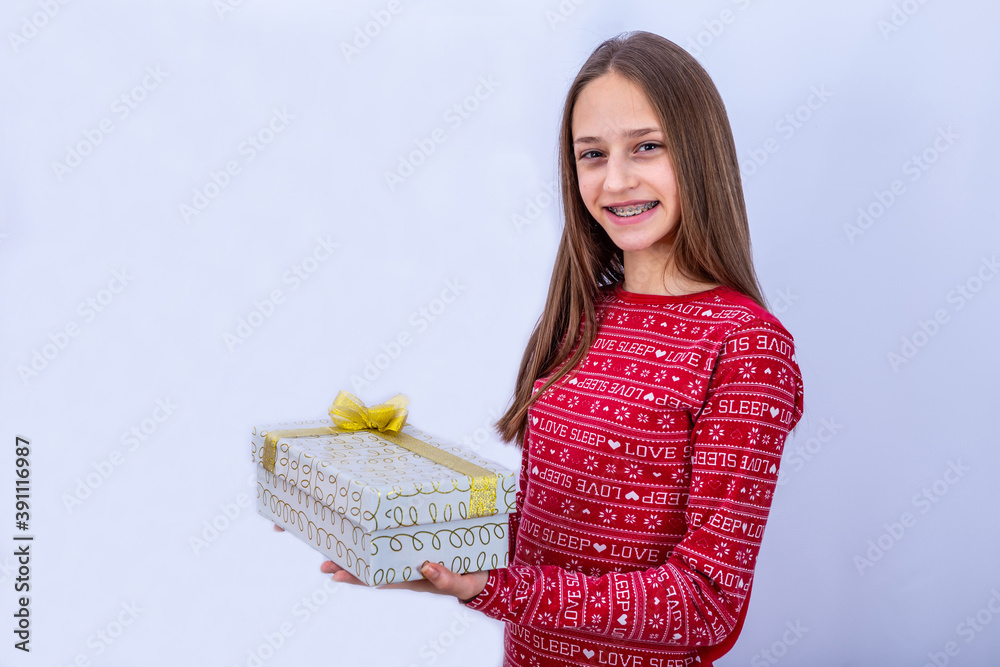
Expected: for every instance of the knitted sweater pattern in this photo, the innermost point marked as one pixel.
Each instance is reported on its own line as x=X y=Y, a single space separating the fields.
x=646 y=480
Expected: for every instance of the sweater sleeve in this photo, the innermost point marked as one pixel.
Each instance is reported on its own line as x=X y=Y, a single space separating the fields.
x=753 y=400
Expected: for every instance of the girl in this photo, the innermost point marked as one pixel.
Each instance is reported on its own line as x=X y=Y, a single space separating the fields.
x=655 y=393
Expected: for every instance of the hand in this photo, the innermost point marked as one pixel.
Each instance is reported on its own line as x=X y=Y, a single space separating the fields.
x=437 y=579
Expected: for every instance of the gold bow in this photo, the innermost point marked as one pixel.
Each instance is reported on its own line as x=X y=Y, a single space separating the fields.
x=349 y=413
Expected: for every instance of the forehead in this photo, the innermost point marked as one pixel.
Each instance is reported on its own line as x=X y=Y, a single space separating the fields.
x=610 y=105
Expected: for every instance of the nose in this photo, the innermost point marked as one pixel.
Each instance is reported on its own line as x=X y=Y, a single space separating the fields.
x=619 y=176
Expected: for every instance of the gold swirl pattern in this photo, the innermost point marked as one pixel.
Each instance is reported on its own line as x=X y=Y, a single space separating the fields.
x=468 y=545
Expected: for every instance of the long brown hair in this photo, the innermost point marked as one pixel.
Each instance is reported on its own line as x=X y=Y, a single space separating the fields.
x=710 y=243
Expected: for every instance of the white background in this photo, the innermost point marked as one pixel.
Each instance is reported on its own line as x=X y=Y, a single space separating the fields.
x=476 y=212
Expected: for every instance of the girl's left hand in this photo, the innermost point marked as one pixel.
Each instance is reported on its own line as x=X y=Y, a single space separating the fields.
x=437 y=579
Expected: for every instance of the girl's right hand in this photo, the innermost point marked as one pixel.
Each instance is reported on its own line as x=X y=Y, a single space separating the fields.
x=279 y=528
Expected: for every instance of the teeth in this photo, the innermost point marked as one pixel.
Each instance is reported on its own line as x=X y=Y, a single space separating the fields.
x=628 y=211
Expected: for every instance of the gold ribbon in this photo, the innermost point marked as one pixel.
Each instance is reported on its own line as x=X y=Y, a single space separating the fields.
x=387 y=419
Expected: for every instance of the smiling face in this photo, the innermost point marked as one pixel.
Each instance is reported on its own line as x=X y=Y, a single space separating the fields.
x=626 y=178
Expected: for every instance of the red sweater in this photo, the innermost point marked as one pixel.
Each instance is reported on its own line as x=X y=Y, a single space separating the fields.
x=646 y=479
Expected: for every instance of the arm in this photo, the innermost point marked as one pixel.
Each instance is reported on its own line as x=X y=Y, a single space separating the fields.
x=695 y=597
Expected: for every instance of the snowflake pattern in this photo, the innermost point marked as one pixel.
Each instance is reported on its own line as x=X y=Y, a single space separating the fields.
x=676 y=390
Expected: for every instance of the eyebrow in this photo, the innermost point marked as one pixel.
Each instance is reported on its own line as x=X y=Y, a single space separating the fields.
x=630 y=134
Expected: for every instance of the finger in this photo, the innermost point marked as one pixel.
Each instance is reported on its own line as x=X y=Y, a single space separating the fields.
x=279 y=528
x=329 y=567
x=443 y=579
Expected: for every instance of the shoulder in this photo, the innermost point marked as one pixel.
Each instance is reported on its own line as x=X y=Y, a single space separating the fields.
x=744 y=315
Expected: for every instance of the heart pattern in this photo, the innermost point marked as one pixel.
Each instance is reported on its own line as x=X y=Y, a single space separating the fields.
x=654 y=419
x=587 y=652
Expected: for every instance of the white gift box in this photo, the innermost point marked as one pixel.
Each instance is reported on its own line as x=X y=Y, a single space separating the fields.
x=378 y=509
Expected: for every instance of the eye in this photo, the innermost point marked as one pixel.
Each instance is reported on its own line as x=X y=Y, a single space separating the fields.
x=650 y=145
x=589 y=154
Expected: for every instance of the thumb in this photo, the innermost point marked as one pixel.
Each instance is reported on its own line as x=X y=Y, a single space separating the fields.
x=441 y=577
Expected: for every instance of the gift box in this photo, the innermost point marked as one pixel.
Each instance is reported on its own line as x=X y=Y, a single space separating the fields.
x=378 y=496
